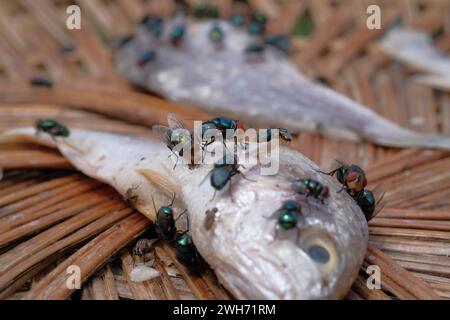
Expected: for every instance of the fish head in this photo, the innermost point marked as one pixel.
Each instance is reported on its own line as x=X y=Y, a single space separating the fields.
x=315 y=255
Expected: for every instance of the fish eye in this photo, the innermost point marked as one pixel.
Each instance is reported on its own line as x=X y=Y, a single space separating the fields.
x=318 y=253
x=320 y=247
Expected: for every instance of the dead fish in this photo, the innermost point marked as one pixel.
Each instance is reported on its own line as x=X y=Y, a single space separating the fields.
x=251 y=254
x=266 y=92
x=416 y=49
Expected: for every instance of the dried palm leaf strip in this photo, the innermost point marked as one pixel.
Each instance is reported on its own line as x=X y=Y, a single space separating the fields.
x=140 y=290
x=411 y=246
x=123 y=287
x=356 y=41
x=167 y=285
x=436 y=282
x=352 y=295
x=30 y=274
x=33 y=213
x=45 y=199
x=89 y=258
x=69 y=208
x=169 y=288
x=423 y=183
x=171 y=273
x=47 y=185
x=12 y=266
x=41 y=11
x=321 y=39
x=39 y=111
x=391 y=270
x=431 y=225
x=406 y=214
x=402 y=161
x=59 y=232
x=27 y=178
x=131 y=106
x=428 y=261
x=425 y=268
x=102 y=285
x=203 y=289
x=418 y=234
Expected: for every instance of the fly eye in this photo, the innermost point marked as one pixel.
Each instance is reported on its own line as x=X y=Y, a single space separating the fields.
x=352 y=176
x=320 y=247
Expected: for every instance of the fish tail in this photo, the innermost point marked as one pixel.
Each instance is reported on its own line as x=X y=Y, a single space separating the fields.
x=396 y=136
x=25 y=135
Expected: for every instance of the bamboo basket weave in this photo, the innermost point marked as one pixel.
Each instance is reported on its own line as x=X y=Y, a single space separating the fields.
x=52 y=217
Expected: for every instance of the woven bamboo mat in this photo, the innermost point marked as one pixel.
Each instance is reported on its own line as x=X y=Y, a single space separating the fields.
x=52 y=217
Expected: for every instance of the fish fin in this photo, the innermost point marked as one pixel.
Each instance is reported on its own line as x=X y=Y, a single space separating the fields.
x=166 y=185
x=149 y=213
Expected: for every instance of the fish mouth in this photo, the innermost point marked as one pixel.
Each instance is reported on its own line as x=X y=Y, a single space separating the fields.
x=283 y=269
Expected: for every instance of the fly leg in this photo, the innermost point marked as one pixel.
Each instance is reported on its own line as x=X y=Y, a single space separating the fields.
x=331 y=173
x=187 y=226
x=214 y=195
x=203 y=180
x=176 y=162
x=243 y=176
x=341 y=189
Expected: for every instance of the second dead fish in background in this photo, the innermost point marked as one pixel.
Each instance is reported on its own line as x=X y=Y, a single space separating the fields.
x=416 y=49
x=268 y=91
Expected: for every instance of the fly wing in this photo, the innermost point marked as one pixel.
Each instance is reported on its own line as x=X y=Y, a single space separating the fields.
x=380 y=203
x=341 y=163
x=175 y=121
x=162 y=133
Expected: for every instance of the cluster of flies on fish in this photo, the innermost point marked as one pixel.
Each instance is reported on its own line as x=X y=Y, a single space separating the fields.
x=256 y=26
x=351 y=177
x=177 y=134
x=353 y=180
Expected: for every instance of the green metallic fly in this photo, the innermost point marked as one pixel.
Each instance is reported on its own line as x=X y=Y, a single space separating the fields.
x=288 y=214
x=187 y=253
x=370 y=202
x=52 y=127
x=310 y=187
